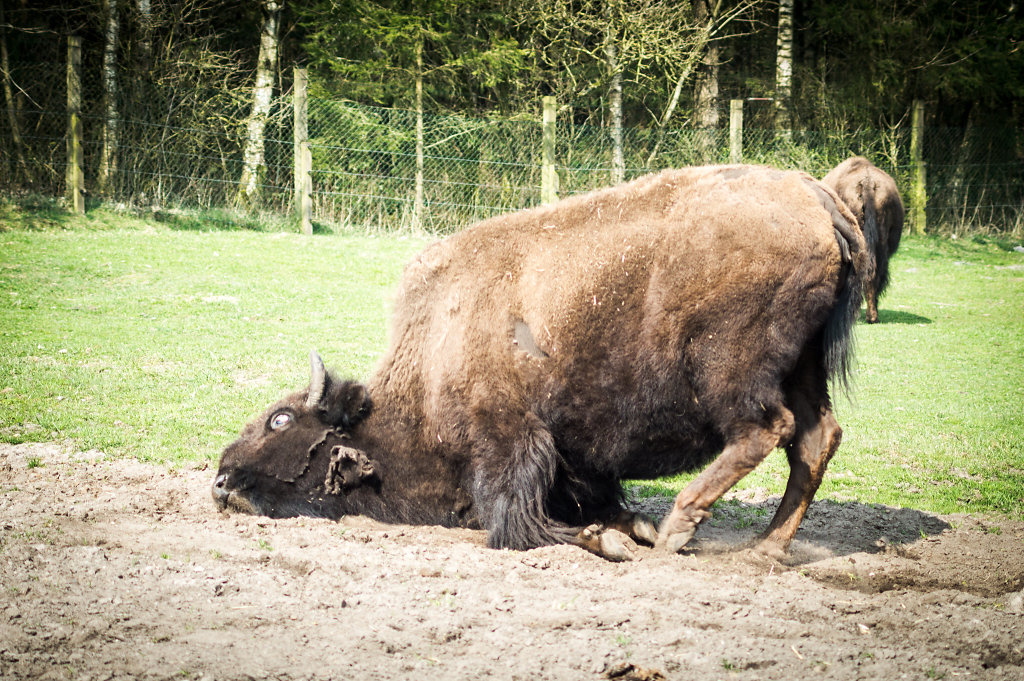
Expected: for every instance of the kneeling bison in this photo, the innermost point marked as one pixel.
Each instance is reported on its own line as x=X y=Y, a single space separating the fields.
x=538 y=358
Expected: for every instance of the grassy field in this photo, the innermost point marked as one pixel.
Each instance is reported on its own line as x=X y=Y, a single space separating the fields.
x=129 y=337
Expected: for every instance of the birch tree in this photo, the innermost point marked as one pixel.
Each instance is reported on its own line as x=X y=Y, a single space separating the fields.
x=611 y=52
x=784 y=69
x=705 y=100
x=111 y=93
x=625 y=48
x=145 y=19
x=254 y=168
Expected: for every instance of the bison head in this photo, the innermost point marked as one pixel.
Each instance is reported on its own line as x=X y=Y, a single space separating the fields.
x=296 y=458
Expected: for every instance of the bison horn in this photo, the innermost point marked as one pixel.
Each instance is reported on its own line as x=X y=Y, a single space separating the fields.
x=317 y=379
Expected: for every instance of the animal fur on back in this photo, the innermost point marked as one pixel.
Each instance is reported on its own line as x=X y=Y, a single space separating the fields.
x=871 y=194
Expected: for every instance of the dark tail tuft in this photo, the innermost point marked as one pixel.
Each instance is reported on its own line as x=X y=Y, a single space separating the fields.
x=837 y=335
x=838 y=330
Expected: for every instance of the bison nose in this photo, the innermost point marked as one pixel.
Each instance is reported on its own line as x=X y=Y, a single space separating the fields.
x=220 y=490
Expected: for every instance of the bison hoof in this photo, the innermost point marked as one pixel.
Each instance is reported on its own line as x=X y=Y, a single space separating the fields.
x=644 y=530
x=636 y=526
x=617 y=546
x=674 y=543
x=608 y=543
x=678 y=529
x=773 y=549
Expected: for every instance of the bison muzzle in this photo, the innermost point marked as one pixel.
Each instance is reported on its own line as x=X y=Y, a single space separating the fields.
x=691 y=318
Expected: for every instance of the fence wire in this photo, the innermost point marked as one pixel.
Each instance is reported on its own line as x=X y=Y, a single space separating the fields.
x=183 y=147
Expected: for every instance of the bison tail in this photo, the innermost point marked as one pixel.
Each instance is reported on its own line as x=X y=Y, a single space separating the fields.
x=837 y=335
x=876 y=241
x=838 y=332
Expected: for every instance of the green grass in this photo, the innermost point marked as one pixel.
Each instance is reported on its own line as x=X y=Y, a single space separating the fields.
x=158 y=341
x=159 y=344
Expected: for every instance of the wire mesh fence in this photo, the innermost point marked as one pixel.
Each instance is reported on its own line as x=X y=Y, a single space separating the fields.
x=183 y=147
x=365 y=166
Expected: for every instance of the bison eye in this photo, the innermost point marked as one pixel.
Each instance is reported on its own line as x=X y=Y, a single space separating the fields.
x=280 y=420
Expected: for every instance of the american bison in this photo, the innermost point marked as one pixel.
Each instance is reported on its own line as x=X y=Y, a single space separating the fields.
x=875 y=201
x=538 y=358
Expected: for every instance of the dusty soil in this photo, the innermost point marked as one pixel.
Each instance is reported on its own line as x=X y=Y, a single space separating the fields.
x=123 y=570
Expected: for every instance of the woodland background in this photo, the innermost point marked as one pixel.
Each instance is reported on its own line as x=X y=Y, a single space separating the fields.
x=429 y=113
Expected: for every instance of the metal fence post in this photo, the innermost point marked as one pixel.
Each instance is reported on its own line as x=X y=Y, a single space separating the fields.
x=735 y=131
x=303 y=158
x=548 y=174
x=918 y=189
x=76 y=154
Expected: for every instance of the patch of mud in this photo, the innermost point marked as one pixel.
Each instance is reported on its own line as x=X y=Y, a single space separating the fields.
x=123 y=570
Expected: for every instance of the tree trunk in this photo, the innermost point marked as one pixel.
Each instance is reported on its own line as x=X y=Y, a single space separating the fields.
x=784 y=70
x=145 y=59
x=614 y=99
x=111 y=94
x=254 y=167
x=706 y=96
x=12 y=115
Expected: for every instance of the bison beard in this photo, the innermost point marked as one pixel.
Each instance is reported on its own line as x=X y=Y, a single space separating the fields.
x=538 y=358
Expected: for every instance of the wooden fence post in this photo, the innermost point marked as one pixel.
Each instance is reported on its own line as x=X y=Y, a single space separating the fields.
x=303 y=157
x=736 y=131
x=548 y=174
x=918 y=188
x=76 y=154
x=418 y=203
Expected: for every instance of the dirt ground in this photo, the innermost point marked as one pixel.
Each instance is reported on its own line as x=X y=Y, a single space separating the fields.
x=123 y=570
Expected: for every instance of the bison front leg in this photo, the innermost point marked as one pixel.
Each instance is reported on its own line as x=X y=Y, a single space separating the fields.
x=742 y=453
x=635 y=525
x=606 y=542
x=516 y=466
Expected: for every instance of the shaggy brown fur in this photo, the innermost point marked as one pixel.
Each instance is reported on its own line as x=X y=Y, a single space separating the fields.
x=871 y=194
x=538 y=358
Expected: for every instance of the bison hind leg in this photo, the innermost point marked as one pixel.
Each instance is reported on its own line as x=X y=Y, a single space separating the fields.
x=871 y=301
x=745 y=448
x=816 y=439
